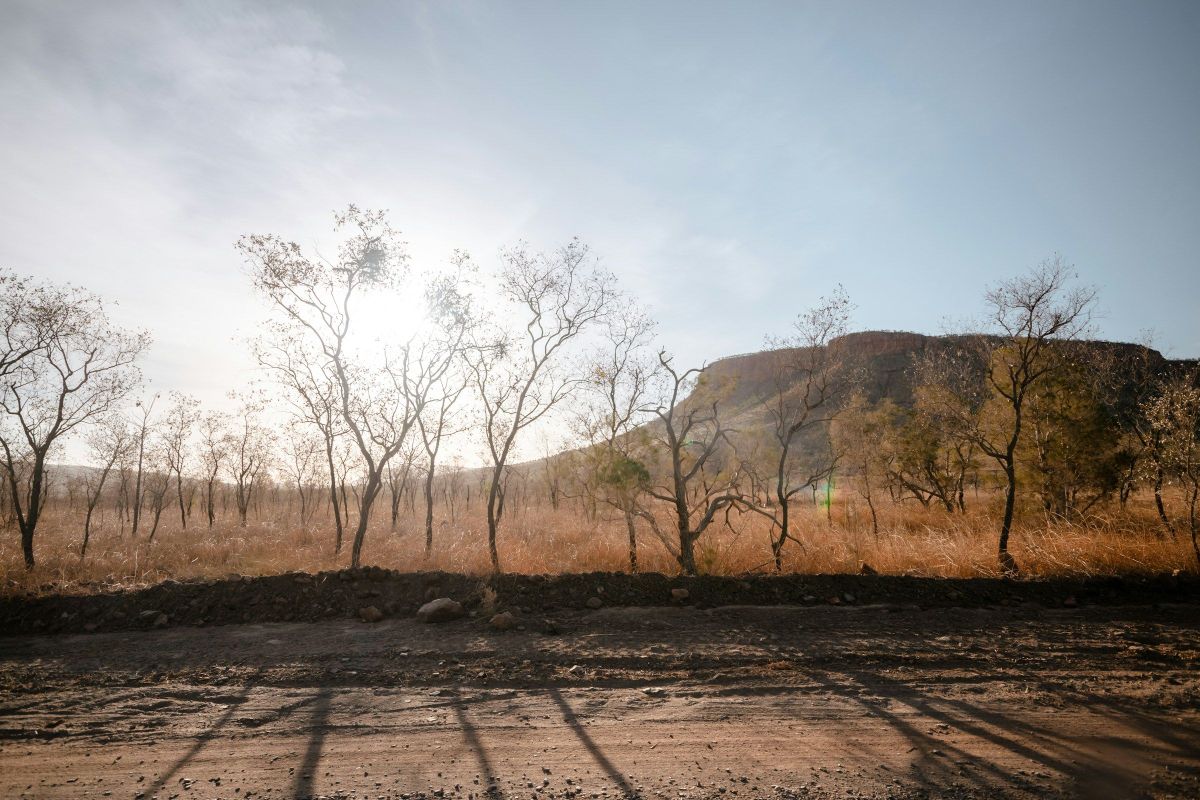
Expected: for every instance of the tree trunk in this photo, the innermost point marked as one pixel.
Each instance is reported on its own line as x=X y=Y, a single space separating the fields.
x=493 y=519
x=182 y=507
x=1158 y=503
x=370 y=490
x=1010 y=499
x=629 y=526
x=27 y=544
x=429 y=508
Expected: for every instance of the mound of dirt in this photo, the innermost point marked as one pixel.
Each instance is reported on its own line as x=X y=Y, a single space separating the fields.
x=297 y=597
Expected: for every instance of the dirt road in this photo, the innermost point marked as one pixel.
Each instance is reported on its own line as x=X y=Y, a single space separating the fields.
x=733 y=702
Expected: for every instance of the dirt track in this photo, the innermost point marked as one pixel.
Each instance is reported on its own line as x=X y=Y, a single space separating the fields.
x=1024 y=702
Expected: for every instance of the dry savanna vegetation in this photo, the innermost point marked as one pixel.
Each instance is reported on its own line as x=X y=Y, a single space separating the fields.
x=1021 y=447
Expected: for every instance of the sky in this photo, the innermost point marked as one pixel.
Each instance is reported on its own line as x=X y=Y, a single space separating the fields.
x=730 y=162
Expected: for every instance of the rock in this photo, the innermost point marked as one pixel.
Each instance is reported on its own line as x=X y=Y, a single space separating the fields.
x=679 y=595
x=149 y=614
x=443 y=609
x=551 y=628
x=594 y=602
x=849 y=598
x=370 y=614
x=90 y=627
x=504 y=621
x=575 y=670
x=835 y=601
x=744 y=586
x=866 y=569
x=161 y=621
x=1071 y=602
x=810 y=599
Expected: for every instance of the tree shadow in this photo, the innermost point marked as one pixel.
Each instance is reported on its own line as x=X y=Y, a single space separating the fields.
x=203 y=739
x=614 y=774
x=316 y=741
x=1094 y=775
x=481 y=753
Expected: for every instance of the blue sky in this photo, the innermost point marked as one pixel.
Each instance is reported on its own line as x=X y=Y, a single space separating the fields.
x=731 y=162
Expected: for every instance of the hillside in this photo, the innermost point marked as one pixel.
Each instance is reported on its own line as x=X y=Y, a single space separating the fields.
x=881 y=362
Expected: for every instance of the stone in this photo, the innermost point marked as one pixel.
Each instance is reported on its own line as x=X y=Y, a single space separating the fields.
x=504 y=621
x=443 y=609
x=594 y=602
x=1071 y=602
x=679 y=595
x=849 y=598
x=370 y=614
x=161 y=621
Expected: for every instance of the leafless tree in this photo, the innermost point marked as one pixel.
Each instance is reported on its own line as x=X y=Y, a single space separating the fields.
x=397 y=474
x=617 y=400
x=302 y=452
x=690 y=436
x=448 y=298
x=178 y=425
x=378 y=404
x=64 y=366
x=158 y=484
x=311 y=392
x=807 y=381
x=214 y=450
x=143 y=431
x=518 y=378
x=249 y=453
x=109 y=443
x=1027 y=317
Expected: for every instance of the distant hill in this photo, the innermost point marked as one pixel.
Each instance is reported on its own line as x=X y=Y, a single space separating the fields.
x=881 y=362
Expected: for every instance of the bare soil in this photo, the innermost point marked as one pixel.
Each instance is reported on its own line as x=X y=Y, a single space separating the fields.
x=956 y=698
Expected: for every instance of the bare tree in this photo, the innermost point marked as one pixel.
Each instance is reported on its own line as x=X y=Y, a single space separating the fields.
x=214 y=450
x=142 y=433
x=689 y=434
x=860 y=429
x=65 y=365
x=807 y=380
x=518 y=379
x=109 y=443
x=302 y=453
x=397 y=475
x=1027 y=316
x=158 y=483
x=177 y=428
x=250 y=453
x=378 y=405
x=311 y=392
x=448 y=298
x=619 y=387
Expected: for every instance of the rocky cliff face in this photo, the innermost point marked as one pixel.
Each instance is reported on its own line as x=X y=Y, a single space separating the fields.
x=881 y=359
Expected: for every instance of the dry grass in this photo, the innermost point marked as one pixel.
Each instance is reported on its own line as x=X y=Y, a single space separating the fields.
x=912 y=540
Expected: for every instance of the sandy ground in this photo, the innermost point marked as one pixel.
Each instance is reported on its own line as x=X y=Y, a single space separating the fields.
x=741 y=702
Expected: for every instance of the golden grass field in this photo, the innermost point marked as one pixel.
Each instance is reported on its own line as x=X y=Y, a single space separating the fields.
x=538 y=539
